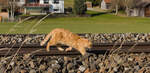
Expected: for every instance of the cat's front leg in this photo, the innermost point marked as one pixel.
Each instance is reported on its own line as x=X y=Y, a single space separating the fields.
x=50 y=43
x=47 y=47
x=81 y=50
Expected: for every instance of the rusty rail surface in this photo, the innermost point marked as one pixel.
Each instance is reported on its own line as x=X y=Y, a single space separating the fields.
x=94 y=49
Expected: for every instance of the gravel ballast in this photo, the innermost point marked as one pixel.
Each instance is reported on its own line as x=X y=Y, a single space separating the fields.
x=95 y=38
x=112 y=63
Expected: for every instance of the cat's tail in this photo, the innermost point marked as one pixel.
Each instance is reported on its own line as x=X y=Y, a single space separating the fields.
x=46 y=39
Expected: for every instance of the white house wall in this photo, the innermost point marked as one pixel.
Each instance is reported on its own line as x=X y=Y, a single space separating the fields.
x=103 y=5
x=59 y=6
x=142 y=12
x=136 y=12
x=21 y=2
x=41 y=1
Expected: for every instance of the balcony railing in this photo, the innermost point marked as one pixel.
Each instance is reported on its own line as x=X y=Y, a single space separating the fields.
x=36 y=5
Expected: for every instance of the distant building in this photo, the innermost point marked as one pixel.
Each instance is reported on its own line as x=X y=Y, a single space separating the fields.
x=44 y=6
x=33 y=7
x=142 y=9
x=105 y=4
x=3 y=9
x=89 y=4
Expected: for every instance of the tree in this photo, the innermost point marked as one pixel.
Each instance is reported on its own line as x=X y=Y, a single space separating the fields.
x=116 y=4
x=12 y=5
x=79 y=7
x=128 y=4
x=95 y=2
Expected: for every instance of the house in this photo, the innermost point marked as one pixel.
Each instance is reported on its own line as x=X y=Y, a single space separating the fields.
x=44 y=6
x=142 y=9
x=106 y=4
x=3 y=9
x=20 y=6
x=89 y=4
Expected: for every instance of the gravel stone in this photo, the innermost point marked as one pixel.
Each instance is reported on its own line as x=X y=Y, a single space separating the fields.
x=50 y=70
x=32 y=71
x=98 y=63
x=95 y=38
x=70 y=66
x=42 y=67
x=82 y=68
x=31 y=64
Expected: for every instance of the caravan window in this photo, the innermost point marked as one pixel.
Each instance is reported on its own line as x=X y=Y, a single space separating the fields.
x=56 y=1
x=46 y=1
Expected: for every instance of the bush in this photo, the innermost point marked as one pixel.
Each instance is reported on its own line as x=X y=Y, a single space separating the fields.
x=80 y=7
x=68 y=10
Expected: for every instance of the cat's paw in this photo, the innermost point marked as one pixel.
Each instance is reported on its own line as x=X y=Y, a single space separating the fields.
x=47 y=49
x=69 y=49
x=42 y=43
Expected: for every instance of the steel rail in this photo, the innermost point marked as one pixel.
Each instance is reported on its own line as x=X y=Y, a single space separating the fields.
x=95 y=49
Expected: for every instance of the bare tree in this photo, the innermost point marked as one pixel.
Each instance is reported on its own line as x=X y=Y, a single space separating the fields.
x=128 y=4
x=116 y=4
x=124 y=4
x=11 y=7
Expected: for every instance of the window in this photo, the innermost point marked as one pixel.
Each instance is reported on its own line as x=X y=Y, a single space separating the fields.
x=56 y=9
x=4 y=10
x=56 y=1
x=46 y=1
x=32 y=1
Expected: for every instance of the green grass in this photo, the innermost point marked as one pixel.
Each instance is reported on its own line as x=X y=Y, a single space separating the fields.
x=102 y=23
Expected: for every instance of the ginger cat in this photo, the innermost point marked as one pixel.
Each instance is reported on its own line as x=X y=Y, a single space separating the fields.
x=62 y=36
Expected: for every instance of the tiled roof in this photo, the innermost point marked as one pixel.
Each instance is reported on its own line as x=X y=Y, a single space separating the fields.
x=108 y=1
x=142 y=3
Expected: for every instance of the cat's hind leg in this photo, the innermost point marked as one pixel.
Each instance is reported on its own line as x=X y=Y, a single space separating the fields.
x=68 y=49
x=60 y=49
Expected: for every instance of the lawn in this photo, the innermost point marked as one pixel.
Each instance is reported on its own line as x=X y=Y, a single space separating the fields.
x=101 y=23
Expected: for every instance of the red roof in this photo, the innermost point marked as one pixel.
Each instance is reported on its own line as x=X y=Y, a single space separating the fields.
x=108 y=1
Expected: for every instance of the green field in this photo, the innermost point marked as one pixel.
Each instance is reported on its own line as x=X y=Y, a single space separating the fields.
x=102 y=23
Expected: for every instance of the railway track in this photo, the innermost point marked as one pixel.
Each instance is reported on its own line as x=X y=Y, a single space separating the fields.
x=49 y=62
x=40 y=50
